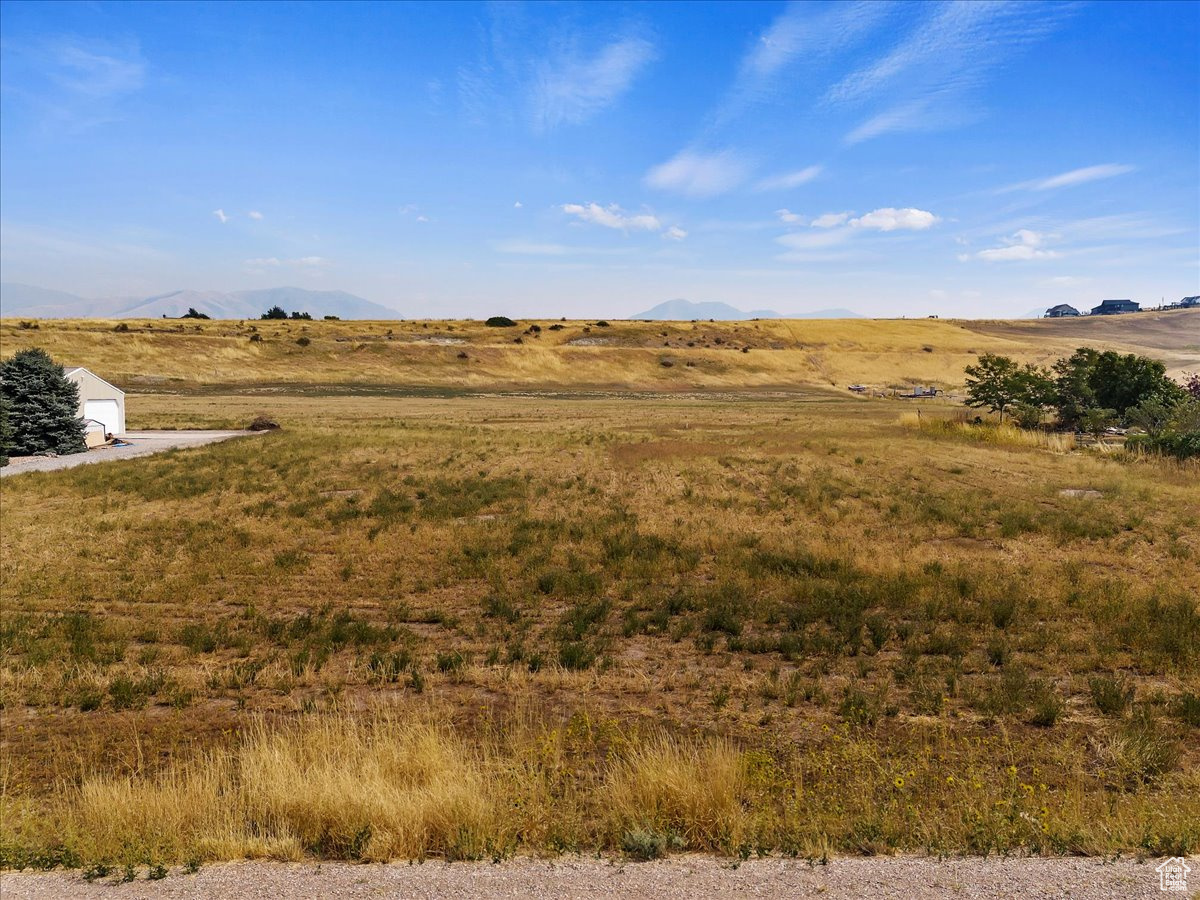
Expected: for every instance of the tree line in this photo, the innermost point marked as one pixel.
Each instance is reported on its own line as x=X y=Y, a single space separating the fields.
x=1091 y=391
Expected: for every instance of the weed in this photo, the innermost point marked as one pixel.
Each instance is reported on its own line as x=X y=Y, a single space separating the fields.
x=1112 y=695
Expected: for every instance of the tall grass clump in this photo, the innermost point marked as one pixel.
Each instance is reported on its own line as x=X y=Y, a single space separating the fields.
x=694 y=789
x=1000 y=435
x=329 y=786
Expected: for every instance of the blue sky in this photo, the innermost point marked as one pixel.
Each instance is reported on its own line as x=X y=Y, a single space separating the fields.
x=595 y=159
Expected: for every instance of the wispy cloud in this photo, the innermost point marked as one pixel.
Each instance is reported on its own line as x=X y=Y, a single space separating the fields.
x=831 y=220
x=1023 y=246
x=1072 y=178
x=255 y=215
x=73 y=83
x=788 y=180
x=788 y=217
x=696 y=174
x=612 y=216
x=561 y=76
x=674 y=233
x=574 y=87
x=802 y=35
x=220 y=216
x=923 y=80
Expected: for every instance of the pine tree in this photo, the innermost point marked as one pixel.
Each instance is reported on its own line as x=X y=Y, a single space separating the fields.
x=42 y=406
x=5 y=431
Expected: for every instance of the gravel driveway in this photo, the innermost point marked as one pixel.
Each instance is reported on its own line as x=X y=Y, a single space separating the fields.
x=141 y=443
x=583 y=878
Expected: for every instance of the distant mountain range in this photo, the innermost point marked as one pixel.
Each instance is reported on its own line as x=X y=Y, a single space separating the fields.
x=35 y=302
x=680 y=310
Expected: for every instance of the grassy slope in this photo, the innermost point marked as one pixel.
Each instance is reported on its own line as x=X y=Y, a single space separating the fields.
x=898 y=632
x=783 y=353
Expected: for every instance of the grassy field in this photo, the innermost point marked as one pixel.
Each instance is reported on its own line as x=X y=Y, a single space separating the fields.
x=475 y=624
x=170 y=355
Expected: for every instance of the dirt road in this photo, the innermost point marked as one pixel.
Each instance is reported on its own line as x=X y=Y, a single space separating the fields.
x=585 y=878
x=141 y=443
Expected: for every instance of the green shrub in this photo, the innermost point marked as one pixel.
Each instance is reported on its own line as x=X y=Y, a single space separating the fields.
x=500 y=322
x=1186 y=709
x=1111 y=695
x=644 y=844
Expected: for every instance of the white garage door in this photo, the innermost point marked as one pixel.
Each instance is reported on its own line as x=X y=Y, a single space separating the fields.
x=105 y=411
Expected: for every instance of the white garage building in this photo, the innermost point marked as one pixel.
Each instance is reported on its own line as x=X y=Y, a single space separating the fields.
x=99 y=401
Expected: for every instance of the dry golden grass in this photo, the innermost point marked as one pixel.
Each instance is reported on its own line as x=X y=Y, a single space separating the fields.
x=158 y=354
x=959 y=427
x=473 y=625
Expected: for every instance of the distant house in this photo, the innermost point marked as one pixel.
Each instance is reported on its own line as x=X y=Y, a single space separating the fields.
x=100 y=403
x=1060 y=311
x=1115 y=307
x=1190 y=303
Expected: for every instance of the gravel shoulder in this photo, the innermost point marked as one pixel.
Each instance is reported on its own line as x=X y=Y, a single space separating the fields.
x=583 y=878
x=141 y=443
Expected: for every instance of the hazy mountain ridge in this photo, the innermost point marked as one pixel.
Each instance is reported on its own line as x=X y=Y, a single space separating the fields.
x=680 y=310
x=35 y=302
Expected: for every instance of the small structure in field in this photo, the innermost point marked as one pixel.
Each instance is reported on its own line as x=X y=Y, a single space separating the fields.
x=1061 y=311
x=99 y=401
x=1115 y=307
x=918 y=392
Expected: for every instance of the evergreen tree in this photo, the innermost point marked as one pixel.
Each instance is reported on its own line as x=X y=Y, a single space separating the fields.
x=42 y=406
x=5 y=431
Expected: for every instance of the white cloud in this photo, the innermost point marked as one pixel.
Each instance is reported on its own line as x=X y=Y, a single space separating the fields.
x=261 y=262
x=1072 y=178
x=255 y=214
x=831 y=220
x=612 y=216
x=422 y=218
x=789 y=217
x=572 y=87
x=890 y=219
x=698 y=175
x=518 y=205
x=788 y=180
x=1023 y=245
x=674 y=233
x=221 y=217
